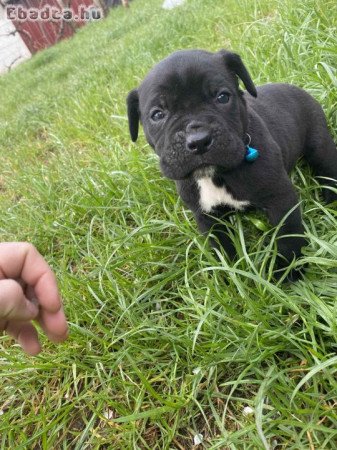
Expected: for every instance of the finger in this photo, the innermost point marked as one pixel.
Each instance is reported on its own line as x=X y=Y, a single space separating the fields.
x=13 y=303
x=30 y=294
x=22 y=260
x=26 y=335
x=54 y=325
x=37 y=273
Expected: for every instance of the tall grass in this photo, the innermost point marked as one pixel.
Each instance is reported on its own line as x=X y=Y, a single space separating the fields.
x=166 y=343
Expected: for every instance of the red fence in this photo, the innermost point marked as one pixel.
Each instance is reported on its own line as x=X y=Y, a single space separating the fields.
x=39 y=34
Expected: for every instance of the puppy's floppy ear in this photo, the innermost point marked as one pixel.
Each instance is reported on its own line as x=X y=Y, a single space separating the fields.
x=234 y=63
x=132 y=102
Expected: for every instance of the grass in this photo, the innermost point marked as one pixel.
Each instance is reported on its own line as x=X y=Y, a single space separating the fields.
x=166 y=343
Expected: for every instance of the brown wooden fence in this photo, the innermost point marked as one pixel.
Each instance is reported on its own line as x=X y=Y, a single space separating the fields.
x=39 y=34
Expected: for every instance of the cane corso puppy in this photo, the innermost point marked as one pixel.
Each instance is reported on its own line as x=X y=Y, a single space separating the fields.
x=231 y=150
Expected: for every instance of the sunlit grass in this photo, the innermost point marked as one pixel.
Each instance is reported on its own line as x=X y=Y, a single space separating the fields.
x=166 y=341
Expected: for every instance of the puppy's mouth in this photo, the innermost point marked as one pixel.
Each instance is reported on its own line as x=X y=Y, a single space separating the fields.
x=201 y=171
x=226 y=153
x=204 y=171
x=179 y=171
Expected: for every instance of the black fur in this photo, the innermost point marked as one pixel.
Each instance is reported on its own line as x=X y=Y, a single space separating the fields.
x=284 y=122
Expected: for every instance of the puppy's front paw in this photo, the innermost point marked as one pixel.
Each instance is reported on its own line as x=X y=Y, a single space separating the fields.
x=329 y=196
x=293 y=275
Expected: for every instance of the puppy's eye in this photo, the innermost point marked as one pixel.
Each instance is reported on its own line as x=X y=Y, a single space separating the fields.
x=157 y=115
x=223 y=97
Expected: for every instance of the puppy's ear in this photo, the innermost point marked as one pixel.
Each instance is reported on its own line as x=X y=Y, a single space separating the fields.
x=132 y=102
x=234 y=63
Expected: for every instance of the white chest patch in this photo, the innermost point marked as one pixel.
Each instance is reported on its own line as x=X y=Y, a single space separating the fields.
x=212 y=196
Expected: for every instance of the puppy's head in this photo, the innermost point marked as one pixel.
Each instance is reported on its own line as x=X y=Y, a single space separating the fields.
x=192 y=111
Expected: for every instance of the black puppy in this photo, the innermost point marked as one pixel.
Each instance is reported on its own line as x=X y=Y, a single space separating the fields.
x=227 y=150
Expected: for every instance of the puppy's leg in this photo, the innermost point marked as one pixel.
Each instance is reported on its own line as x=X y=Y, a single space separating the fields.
x=289 y=247
x=207 y=224
x=321 y=154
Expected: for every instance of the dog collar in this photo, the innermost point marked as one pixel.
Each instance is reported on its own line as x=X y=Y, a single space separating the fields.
x=251 y=153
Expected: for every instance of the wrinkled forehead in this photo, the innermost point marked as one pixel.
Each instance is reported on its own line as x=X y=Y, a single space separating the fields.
x=175 y=81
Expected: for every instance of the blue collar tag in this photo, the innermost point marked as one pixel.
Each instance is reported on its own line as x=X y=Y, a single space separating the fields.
x=251 y=154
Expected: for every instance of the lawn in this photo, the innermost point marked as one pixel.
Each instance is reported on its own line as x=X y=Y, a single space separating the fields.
x=168 y=346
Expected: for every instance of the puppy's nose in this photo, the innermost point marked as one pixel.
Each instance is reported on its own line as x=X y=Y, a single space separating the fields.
x=198 y=139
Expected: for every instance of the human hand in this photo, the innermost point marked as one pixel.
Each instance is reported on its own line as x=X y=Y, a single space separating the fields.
x=28 y=291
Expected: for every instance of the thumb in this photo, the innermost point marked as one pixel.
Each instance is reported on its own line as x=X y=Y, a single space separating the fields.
x=14 y=304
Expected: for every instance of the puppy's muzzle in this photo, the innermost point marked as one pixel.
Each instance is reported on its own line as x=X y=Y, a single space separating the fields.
x=198 y=138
